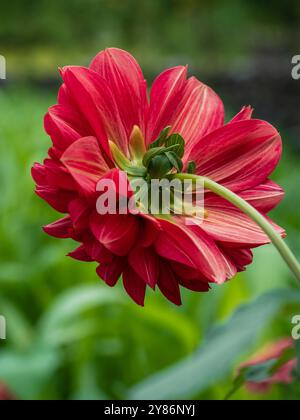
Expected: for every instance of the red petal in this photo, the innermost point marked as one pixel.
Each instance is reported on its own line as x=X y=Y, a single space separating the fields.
x=146 y=264
x=58 y=199
x=264 y=197
x=62 y=228
x=134 y=286
x=240 y=257
x=118 y=233
x=57 y=176
x=151 y=229
x=239 y=155
x=120 y=185
x=227 y=224
x=86 y=164
x=79 y=213
x=185 y=271
x=96 y=250
x=64 y=96
x=194 y=284
x=166 y=93
x=80 y=254
x=245 y=114
x=190 y=246
x=191 y=108
x=126 y=81
x=38 y=173
x=200 y=112
x=168 y=285
x=65 y=126
x=96 y=102
x=111 y=272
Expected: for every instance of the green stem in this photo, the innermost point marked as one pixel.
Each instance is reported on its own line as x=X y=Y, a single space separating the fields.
x=257 y=217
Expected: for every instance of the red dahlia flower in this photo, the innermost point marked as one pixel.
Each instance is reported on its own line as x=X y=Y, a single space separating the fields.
x=103 y=112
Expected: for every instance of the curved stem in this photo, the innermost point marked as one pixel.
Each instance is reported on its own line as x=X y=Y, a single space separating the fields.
x=257 y=217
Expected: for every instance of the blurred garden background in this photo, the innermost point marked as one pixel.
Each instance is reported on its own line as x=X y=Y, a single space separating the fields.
x=68 y=335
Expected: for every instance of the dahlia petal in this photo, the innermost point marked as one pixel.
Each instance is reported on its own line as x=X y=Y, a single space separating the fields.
x=240 y=155
x=189 y=278
x=57 y=176
x=121 y=183
x=227 y=224
x=176 y=250
x=64 y=96
x=166 y=93
x=244 y=114
x=217 y=269
x=96 y=250
x=118 y=233
x=62 y=228
x=53 y=153
x=111 y=272
x=58 y=199
x=146 y=264
x=181 y=270
x=151 y=229
x=96 y=102
x=200 y=112
x=64 y=126
x=38 y=174
x=264 y=197
x=79 y=213
x=85 y=162
x=127 y=83
x=190 y=246
x=230 y=267
x=134 y=286
x=241 y=257
x=194 y=285
x=168 y=285
x=80 y=254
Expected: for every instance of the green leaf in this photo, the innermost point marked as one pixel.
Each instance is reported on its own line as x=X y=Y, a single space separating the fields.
x=27 y=373
x=72 y=304
x=260 y=372
x=88 y=388
x=20 y=330
x=256 y=373
x=176 y=140
x=216 y=357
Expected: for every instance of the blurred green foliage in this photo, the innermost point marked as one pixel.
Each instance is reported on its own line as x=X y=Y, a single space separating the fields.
x=69 y=336
x=37 y=36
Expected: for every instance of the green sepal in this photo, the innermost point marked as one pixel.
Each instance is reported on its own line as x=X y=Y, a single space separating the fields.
x=155 y=151
x=175 y=161
x=159 y=166
x=191 y=169
x=177 y=141
x=161 y=138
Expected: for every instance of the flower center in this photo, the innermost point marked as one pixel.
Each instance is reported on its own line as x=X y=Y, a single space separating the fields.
x=163 y=157
x=150 y=172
